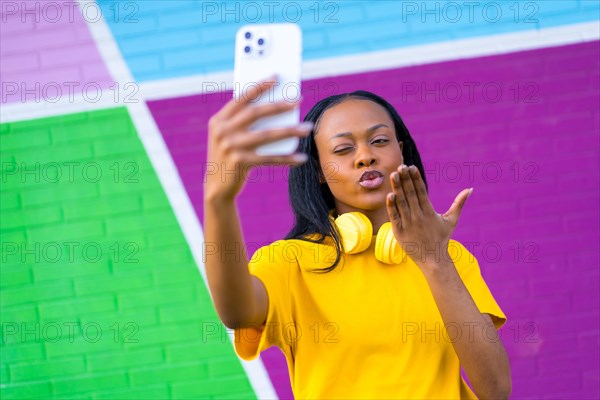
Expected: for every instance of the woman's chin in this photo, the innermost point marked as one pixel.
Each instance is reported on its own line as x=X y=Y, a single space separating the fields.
x=373 y=203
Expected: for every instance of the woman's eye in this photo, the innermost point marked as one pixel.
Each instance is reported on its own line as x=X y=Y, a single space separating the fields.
x=342 y=150
x=380 y=141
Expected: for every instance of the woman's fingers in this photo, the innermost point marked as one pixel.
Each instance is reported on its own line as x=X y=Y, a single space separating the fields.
x=401 y=201
x=248 y=115
x=238 y=103
x=421 y=190
x=410 y=192
x=455 y=209
x=392 y=210
x=251 y=140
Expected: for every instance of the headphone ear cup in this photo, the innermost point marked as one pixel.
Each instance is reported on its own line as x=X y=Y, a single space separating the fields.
x=355 y=230
x=387 y=248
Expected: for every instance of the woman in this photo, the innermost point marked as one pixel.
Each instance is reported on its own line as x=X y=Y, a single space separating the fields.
x=352 y=324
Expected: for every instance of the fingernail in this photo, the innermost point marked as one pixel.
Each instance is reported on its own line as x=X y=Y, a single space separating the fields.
x=306 y=126
x=300 y=157
x=396 y=177
x=470 y=191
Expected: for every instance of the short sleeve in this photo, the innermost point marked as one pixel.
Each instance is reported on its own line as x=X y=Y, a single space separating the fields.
x=270 y=266
x=470 y=273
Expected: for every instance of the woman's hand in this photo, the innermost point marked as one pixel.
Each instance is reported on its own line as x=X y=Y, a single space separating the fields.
x=231 y=145
x=422 y=233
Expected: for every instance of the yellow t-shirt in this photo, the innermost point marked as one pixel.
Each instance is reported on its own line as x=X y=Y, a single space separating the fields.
x=365 y=330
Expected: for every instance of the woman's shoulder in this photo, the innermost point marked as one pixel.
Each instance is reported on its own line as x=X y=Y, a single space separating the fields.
x=310 y=248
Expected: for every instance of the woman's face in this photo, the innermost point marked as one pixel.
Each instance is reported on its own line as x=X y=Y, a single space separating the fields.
x=358 y=151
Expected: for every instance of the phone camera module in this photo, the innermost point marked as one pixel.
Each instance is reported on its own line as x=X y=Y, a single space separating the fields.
x=261 y=41
x=247 y=49
x=247 y=35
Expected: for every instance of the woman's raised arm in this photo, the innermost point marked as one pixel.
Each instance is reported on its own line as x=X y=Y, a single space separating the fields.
x=240 y=299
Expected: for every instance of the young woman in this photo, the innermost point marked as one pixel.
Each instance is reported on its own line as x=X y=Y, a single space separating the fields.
x=397 y=317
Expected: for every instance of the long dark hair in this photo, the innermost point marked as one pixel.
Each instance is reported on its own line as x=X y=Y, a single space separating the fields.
x=311 y=200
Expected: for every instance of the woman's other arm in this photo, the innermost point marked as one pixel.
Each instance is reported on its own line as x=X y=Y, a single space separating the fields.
x=424 y=235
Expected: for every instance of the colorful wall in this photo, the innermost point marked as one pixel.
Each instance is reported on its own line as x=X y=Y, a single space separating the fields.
x=103 y=145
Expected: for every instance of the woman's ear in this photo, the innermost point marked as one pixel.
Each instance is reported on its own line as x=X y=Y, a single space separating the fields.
x=401 y=145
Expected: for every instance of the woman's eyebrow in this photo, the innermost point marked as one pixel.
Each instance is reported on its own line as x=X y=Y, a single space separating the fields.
x=371 y=129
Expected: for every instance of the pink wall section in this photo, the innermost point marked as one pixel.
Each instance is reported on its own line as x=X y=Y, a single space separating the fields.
x=522 y=129
x=48 y=53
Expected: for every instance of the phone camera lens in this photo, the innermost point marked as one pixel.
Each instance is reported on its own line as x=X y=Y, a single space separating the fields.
x=261 y=41
x=247 y=49
x=247 y=35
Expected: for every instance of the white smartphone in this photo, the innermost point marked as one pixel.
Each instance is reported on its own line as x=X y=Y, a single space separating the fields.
x=261 y=51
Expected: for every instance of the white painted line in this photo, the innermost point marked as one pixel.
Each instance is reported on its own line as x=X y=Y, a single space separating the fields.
x=169 y=178
x=13 y=112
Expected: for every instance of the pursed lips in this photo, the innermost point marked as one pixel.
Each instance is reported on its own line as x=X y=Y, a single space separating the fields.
x=371 y=179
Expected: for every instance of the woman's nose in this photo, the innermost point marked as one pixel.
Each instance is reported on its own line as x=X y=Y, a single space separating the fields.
x=365 y=159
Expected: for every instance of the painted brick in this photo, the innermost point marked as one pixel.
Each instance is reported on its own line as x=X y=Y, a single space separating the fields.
x=74 y=267
x=99 y=208
x=37 y=293
x=204 y=388
x=214 y=346
x=222 y=367
x=89 y=383
x=14 y=141
x=3 y=374
x=177 y=313
x=67 y=307
x=40 y=39
x=70 y=366
x=70 y=309
x=171 y=274
x=177 y=293
x=15 y=278
x=147 y=392
x=178 y=371
x=21 y=353
x=9 y=200
x=19 y=314
x=247 y=394
x=112 y=283
x=34 y=217
x=163 y=257
x=140 y=316
x=28 y=390
x=83 y=345
x=125 y=360
x=66 y=232
x=48 y=194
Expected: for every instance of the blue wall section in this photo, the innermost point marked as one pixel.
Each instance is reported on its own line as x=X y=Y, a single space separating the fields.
x=165 y=39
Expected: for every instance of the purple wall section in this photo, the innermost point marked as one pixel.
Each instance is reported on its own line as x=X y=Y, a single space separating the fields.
x=522 y=129
x=48 y=53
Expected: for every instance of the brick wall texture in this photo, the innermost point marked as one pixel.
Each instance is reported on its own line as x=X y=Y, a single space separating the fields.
x=100 y=297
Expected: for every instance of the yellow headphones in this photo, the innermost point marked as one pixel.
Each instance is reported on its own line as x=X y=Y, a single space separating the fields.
x=356 y=233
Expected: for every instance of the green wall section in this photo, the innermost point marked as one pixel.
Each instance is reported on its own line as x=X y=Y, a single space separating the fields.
x=100 y=296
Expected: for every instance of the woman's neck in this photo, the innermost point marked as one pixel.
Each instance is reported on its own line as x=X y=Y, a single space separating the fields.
x=377 y=218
